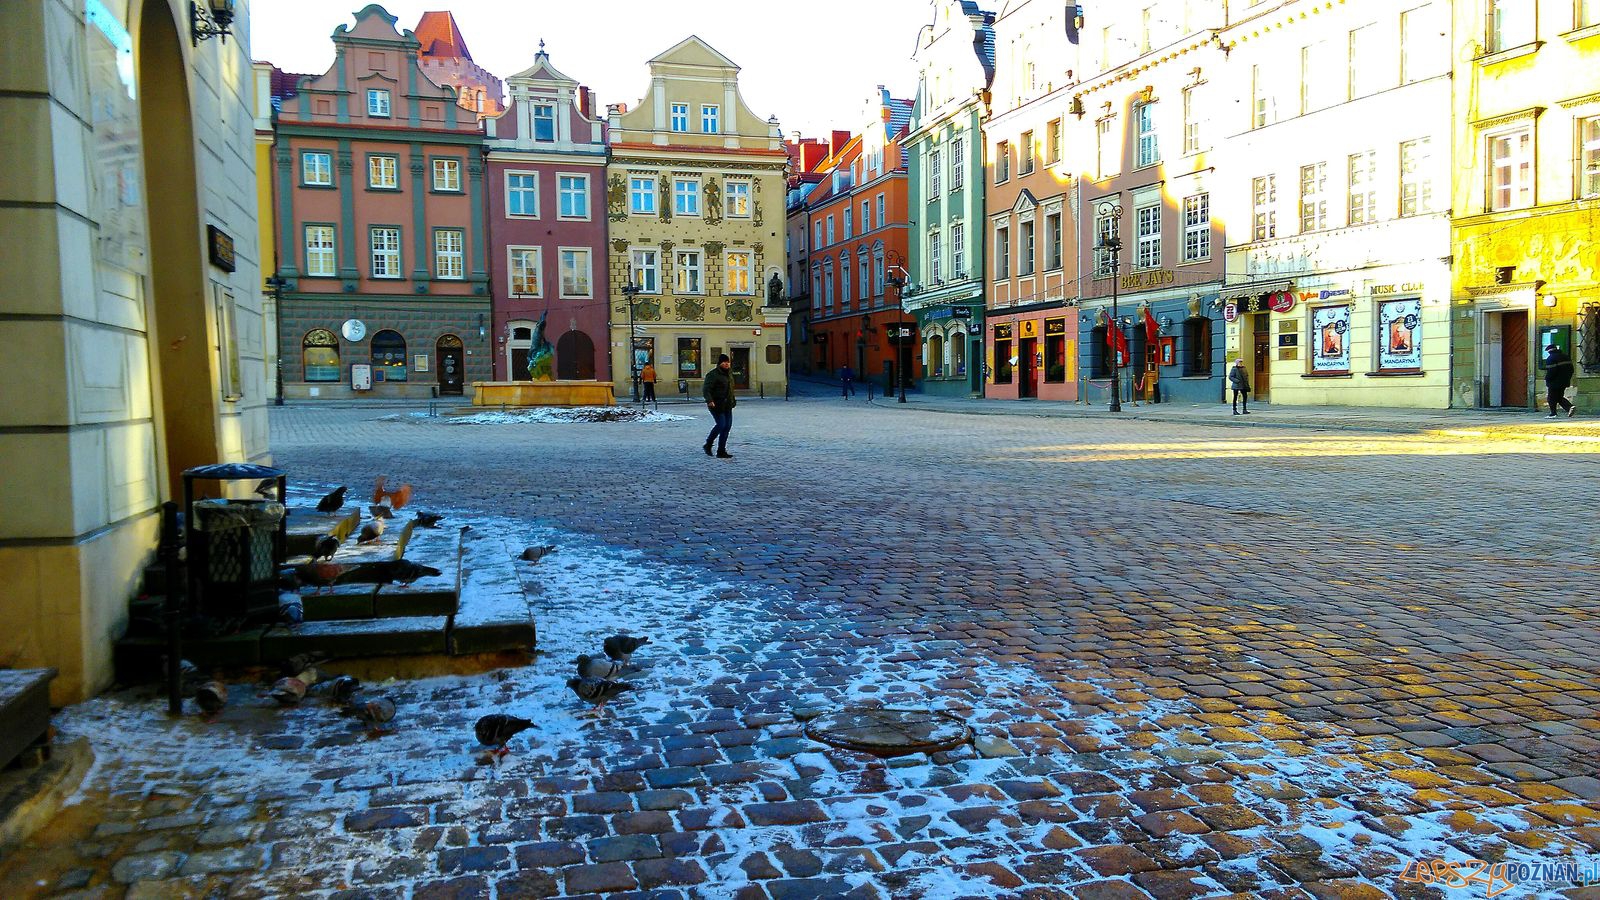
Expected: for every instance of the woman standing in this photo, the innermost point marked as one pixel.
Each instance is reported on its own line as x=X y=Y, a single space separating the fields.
x=1239 y=380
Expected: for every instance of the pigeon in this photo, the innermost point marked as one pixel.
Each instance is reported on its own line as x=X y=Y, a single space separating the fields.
x=597 y=690
x=396 y=498
x=211 y=697
x=327 y=546
x=332 y=501
x=319 y=574
x=266 y=487
x=376 y=711
x=621 y=647
x=387 y=571
x=370 y=532
x=428 y=519
x=290 y=691
x=380 y=511
x=534 y=554
x=495 y=729
x=597 y=667
x=292 y=611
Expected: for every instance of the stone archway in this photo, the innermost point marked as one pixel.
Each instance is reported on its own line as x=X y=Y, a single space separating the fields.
x=575 y=357
x=185 y=396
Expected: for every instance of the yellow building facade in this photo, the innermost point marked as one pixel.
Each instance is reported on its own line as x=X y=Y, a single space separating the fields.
x=695 y=202
x=1526 y=199
x=130 y=306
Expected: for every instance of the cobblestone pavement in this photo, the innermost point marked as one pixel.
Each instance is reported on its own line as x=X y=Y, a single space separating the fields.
x=1201 y=662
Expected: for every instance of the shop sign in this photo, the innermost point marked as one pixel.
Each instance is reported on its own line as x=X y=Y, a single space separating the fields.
x=1055 y=326
x=974 y=328
x=943 y=312
x=221 y=247
x=1154 y=279
x=1001 y=332
x=962 y=312
x=1030 y=328
x=1230 y=313
x=1288 y=340
x=1281 y=302
x=1330 y=339
x=1409 y=287
x=1338 y=292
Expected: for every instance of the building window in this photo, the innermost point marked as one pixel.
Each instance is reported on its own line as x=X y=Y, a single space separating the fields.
x=447 y=175
x=830 y=230
x=864 y=283
x=849 y=217
x=448 y=244
x=316 y=169
x=319 y=355
x=1313 y=197
x=1260 y=99
x=544 y=122
x=1416 y=177
x=1002 y=361
x=1264 y=206
x=680 y=117
x=378 y=103
x=525 y=265
x=958 y=249
x=816 y=240
x=1364 y=74
x=1105 y=230
x=958 y=354
x=1149 y=151
x=844 y=281
x=880 y=211
x=827 y=285
x=688 y=271
x=1510 y=24
x=1025 y=248
x=1147 y=237
x=877 y=273
x=1422 y=44
x=1052 y=241
x=1053 y=148
x=642 y=195
x=935 y=174
x=935 y=256
x=689 y=358
x=1191 y=123
x=1002 y=252
x=572 y=192
x=1363 y=187
x=1055 y=358
x=736 y=200
x=1002 y=162
x=866 y=216
x=1197 y=228
x=385 y=252
x=576 y=272
x=320 y=259
x=1025 y=147
x=644 y=269
x=1107 y=160
x=686 y=197
x=1197 y=346
x=708 y=119
x=1511 y=169
x=1589 y=156
x=958 y=163
x=383 y=173
x=389 y=354
x=1587 y=14
x=522 y=194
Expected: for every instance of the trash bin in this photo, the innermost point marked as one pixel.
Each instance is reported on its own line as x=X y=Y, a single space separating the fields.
x=235 y=547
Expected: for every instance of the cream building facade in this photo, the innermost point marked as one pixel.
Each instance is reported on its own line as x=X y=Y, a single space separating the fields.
x=130 y=299
x=695 y=203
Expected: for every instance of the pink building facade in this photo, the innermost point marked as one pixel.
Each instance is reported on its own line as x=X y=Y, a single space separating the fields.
x=547 y=226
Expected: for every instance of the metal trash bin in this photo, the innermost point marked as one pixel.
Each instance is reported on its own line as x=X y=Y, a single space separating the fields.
x=235 y=547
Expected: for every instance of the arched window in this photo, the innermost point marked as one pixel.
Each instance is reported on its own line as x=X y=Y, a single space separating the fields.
x=958 y=354
x=319 y=353
x=388 y=356
x=935 y=361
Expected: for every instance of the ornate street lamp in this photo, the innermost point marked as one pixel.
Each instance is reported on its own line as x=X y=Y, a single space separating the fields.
x=275 y=286
x=1112 y=243
x=895 y=276
x=631 y=291
x=209 y=19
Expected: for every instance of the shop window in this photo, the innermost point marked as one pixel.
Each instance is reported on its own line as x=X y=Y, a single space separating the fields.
x=958 y=355
x=1197 y=346
x=1099 y=359
x=1002 y=362
x=1055 y=359
x=689 y=358
x=388 y=356
x=935 y=361
x=319 y=354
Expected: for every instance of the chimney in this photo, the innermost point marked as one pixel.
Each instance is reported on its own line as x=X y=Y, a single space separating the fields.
x=616 y=109
x=586 y=102
x=838 y=140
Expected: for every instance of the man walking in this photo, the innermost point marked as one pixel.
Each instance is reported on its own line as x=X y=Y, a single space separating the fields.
x=1557 y=378
x=718 y=391
x=847 y=382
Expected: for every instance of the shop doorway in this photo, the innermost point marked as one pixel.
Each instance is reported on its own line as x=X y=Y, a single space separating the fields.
x=186 y=403
x=1261 y=356
x=741 y=368
x=451 y=362
x=975 y=367
x=1506 y=334
x=575 y=357
x=1028 y=370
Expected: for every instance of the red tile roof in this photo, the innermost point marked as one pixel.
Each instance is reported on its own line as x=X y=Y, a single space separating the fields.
x=440 y=36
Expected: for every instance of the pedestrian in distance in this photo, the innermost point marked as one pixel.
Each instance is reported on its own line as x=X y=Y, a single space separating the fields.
x=718 y=391
x=647 y=377
x=847 y=382
x=1557 y=378
x=1239 y=380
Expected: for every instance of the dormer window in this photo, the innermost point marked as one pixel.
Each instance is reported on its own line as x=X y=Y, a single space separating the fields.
x=544 y=122
x=378 y=103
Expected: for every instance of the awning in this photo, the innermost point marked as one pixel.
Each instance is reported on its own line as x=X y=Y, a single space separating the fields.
x=1255 y=290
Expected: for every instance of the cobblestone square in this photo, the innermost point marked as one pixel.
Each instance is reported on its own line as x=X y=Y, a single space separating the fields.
x=1200 y=661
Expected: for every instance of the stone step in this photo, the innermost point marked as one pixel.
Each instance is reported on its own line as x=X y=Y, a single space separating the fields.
x=24 y=710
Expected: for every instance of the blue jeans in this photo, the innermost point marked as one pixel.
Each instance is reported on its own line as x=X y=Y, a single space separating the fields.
x=719 y=432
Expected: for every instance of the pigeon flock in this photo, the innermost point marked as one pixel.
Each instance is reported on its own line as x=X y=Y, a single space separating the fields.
x=598 y=679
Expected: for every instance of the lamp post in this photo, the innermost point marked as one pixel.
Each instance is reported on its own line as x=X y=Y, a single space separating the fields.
x=631 y=291
x=210 y=20
x=275 y=286
x=895 y=277
x=1112 y=243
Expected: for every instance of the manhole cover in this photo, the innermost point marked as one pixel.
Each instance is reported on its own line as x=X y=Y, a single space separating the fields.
x=889 y=732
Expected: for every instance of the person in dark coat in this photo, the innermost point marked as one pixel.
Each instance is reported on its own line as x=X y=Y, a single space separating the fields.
x=1557 y=378
x=1239 y=380
x=847 y=381
x=718 y=391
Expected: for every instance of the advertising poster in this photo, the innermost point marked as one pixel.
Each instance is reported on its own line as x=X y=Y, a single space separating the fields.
x=1330 y=339
x=1400 y=334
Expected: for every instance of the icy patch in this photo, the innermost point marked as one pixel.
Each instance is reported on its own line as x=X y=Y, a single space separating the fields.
x=549 y=416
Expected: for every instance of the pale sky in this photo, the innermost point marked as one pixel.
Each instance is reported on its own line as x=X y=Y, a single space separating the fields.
x=811 y=64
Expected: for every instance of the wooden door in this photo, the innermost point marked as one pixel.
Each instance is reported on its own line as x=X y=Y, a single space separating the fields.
x=1514 y=358
x=1261 y=374
x=741 y=368
x=451 y=364
x=1026 y=385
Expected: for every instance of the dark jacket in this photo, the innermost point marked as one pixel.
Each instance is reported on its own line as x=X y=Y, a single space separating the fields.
x=718 y=390
x=1238 y=380
x=1557 y=371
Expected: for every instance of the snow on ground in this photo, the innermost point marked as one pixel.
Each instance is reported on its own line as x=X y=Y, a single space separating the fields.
x=545 y=416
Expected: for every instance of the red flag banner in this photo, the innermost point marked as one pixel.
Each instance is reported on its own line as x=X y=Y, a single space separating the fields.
x=1118 y=343
x=1152 y=331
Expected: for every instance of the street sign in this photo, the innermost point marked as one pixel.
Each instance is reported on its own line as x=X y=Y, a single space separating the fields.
x=962 y=312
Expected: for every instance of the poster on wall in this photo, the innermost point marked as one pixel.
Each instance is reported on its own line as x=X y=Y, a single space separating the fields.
x=1330 y=339
x=1400 y=334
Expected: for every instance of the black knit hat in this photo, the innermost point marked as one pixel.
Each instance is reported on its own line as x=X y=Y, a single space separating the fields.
x=723 y=358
